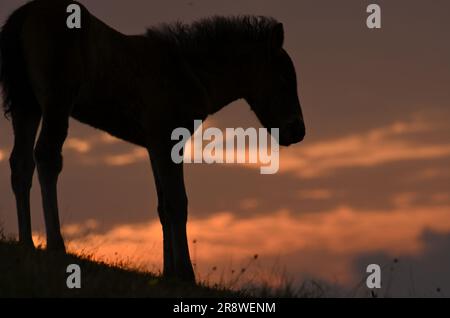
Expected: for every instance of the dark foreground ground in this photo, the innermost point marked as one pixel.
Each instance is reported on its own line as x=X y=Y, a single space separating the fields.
x=38 y=273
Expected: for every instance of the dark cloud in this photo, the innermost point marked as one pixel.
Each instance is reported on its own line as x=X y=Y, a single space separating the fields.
x=423 y=275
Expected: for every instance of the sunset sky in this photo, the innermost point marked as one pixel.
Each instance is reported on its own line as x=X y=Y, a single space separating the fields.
x=369 y=184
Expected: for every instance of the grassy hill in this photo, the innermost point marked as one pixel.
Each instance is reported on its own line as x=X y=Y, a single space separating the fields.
x=38 y=273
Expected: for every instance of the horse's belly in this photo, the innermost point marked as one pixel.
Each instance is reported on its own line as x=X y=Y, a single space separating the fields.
x=111 y=120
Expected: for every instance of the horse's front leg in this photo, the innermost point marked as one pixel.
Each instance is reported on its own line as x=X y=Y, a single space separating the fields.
x=168 y=267
x=173 y=216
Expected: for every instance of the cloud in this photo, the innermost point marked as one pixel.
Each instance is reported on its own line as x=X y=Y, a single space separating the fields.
x=426 y=275
x=339 y=235
x=315 y=194
x=136 y=155
x=404 y=199
x=392 y=143
x=79 y=230
x=78 y=145
x=430 y=174
x=87 y=150
x=86 y=145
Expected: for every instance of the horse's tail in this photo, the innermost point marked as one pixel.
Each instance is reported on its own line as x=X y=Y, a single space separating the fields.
x=13 y=73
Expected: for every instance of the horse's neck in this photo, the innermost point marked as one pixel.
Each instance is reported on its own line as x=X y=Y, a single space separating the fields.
x=226 y=82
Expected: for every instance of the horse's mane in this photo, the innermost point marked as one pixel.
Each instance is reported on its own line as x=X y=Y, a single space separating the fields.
x=215 y=33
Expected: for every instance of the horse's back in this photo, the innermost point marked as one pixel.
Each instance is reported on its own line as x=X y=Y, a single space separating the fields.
x=129 y=86
x=59 y=57
x=83 y=69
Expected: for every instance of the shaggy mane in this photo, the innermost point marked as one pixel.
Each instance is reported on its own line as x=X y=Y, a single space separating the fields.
x=216 y=32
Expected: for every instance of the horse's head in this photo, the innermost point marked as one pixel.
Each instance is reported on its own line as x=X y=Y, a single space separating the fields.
x=273 y=96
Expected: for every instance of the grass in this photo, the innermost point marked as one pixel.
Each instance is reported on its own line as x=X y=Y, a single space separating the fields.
x=36 y=272
x=256 y=280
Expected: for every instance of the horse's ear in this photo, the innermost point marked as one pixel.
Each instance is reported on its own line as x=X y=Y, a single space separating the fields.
x=277 y=37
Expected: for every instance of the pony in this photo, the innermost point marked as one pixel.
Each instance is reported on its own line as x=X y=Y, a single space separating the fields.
x=137 y=88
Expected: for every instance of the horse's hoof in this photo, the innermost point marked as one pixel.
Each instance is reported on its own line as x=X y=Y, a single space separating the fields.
x=186 y=278
x=58 y=248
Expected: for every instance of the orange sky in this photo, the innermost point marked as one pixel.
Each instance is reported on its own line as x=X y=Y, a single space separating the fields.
x=369 y=184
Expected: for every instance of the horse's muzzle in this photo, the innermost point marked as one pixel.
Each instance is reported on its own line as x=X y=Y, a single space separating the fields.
x=292 y=133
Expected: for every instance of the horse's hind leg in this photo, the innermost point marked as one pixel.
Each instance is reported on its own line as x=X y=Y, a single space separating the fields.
x=25 y=120
x=48 y=156
x=55 y=68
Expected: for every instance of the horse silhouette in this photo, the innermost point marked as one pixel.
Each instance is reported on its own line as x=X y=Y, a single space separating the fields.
x=137 y=88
